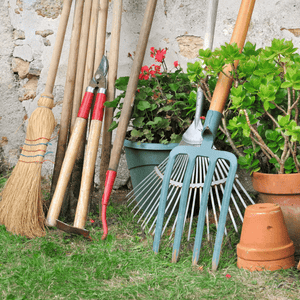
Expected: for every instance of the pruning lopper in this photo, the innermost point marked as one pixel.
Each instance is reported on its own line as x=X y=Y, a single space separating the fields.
x=98 y=82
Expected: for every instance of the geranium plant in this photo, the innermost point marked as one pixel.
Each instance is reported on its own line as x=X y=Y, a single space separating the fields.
x=261 y=119
x=160 y=113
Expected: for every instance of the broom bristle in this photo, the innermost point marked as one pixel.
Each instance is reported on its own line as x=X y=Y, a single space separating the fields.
x=21 y=208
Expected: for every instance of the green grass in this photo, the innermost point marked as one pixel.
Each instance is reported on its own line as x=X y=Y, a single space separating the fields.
x=61 y=266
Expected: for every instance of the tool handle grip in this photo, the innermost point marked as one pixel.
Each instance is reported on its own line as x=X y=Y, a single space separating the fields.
x=109 y=183
x=99 y=105
x=224 y=83
x=85 y=106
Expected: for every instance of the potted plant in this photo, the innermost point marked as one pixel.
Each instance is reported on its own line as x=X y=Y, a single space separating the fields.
x=160 y=115
x=261 y=119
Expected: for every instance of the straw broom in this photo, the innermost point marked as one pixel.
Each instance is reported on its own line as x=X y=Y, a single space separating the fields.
x=21 y=208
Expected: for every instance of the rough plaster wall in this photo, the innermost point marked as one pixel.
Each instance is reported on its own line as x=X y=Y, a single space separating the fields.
x=27 y=35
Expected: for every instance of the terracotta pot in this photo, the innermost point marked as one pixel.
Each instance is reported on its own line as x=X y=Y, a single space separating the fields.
x=265 y=243
x=283 y=189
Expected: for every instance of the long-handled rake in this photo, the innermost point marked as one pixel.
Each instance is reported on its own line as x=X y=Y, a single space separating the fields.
x=147 y=199
x=206 y=150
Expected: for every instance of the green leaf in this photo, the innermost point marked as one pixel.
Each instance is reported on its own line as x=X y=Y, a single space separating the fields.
x=271 y=135
x=143 y=105
x=113 y=125
x=174 y=87
x=138 y=122
x=273 y=160
x=283 y=120
x=136 y=133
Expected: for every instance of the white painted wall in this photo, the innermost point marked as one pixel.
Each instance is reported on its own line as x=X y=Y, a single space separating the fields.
x=173 y=19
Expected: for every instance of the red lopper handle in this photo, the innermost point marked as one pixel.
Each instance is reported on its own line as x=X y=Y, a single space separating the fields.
x=99 y=106
x=109 y=182
x=85 y=106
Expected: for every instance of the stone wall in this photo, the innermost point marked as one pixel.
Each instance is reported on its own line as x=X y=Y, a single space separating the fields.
x=27 y=35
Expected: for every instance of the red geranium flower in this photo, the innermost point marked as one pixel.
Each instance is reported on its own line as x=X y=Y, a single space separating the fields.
x=228 y=276
x=144 y=73
x=152 y=51
x=176 y=63
x=92 y=221
x=160 y=55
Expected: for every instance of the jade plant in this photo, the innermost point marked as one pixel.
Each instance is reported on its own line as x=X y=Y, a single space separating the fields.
x=261 y=119
x=160 y=113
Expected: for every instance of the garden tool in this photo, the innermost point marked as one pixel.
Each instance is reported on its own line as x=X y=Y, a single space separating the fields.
x=97 y=81
x=85 y=58
x=88 y=165
x=21 y=208
x=101 y=32
x=68 y=94
x=147 y=199
x=211 y=125
x=126 y=110
x=111 y=78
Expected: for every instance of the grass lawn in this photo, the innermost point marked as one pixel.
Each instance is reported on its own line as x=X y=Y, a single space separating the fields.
x=62 y=266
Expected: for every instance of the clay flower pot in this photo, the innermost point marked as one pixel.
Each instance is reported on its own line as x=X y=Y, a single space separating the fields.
x=265 y=243
x=283 y=189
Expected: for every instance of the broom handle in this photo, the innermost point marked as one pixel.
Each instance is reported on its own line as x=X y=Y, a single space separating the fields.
x=57 y=48
x=132 y=86
x=112 y=76
x=224 y=83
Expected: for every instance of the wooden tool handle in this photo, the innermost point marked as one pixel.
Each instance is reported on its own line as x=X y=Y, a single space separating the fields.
x=224 y=83
x=101 y=32
x=90 y=161
x=112 y=76
x=132 y=85
x=66 y=171
x=81 y=61
x=69 y=160
x=58 y=47
x=68 y=94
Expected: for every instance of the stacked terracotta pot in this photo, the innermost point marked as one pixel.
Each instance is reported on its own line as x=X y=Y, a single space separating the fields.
x=265 y=243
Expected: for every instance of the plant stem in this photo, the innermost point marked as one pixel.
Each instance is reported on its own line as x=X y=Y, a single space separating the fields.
x=260 y=141
x=226 y=132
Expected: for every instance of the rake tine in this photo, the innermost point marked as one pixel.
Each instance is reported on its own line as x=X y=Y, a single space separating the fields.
x=224 y=208
x=162 y=203
x=170 y=215
x=187 y=204
x=188 y=201
x=202 y=211
x=155 y=179
x=182 y=205
x=144 y=202
x=233 y=200
x=170 y=192
x=194 y=198
x=185 y=158
x=219 y=201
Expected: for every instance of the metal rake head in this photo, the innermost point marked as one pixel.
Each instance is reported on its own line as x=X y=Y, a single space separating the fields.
x=205 y=150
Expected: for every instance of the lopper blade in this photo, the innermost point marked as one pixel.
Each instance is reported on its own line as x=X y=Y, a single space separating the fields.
x=99 y=79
